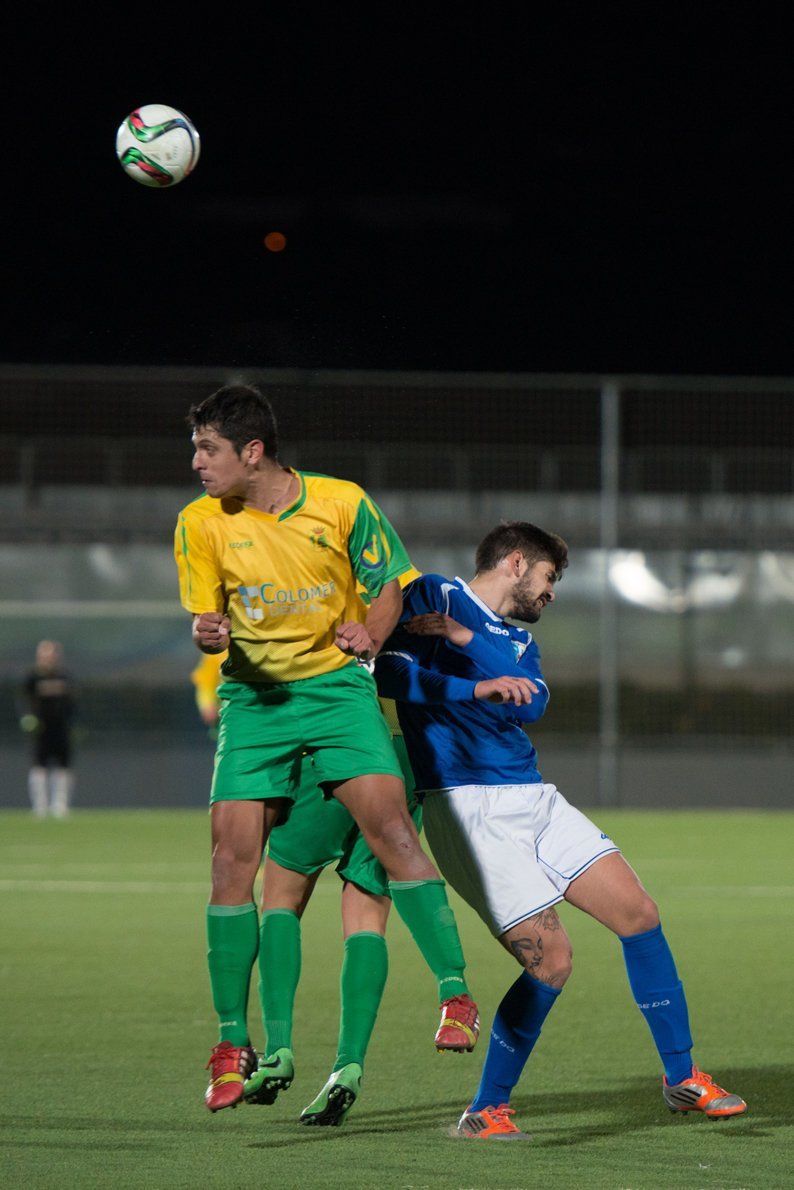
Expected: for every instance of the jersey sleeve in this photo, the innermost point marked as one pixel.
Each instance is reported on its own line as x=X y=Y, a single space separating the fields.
x=399 y=676
x=200 y=583
x=492 y=663
x=376 y=553
x=399 y=565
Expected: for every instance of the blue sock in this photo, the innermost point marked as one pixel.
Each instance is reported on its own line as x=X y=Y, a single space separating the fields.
x=660 y=998
x=516 y=1028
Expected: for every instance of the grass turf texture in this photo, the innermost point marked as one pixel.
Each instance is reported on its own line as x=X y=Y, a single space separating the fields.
x=107 y=1025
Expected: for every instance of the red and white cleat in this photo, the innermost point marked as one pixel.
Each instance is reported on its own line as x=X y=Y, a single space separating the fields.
x=229 y=1066
x=460 y=1025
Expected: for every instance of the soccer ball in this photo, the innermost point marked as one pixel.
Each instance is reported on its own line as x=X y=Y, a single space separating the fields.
x=157 y=145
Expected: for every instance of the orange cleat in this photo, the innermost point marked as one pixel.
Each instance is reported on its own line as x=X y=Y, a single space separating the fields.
x=230 y=1066
x=699 y=1092
x=490 y=1123
x=460 y=1025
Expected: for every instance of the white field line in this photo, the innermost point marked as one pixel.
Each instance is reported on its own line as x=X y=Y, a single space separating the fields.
x=159 y=886
x=103 y=886
x=11 y=885
x=124 y=609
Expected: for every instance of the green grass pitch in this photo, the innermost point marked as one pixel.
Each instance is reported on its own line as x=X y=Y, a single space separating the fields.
x=107 y=1024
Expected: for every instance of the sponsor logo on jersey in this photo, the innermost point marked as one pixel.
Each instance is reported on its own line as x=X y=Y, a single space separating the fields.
x=497 y=631
x=241 y=545
x=268 y=599
x=371 y=555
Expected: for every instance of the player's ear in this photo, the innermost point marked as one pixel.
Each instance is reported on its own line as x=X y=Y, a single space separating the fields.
x=515 y=559
x=253 y=452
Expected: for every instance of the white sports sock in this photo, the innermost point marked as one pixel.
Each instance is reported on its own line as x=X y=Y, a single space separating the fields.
x=37 y=788
x=61 y=792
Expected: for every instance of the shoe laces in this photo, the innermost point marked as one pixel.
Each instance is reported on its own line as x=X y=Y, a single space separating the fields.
x=501 y=1116
x=225 y=1057
x=459 y=1006
x=700 y=1076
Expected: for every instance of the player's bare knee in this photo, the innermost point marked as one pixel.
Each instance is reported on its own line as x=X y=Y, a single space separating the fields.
x=642 y=915
x=396 y=833
x=542 y=947
x=557 y=963
x=232 y=876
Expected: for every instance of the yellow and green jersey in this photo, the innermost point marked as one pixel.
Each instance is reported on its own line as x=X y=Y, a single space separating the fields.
x=205 y=677
x=287 y=580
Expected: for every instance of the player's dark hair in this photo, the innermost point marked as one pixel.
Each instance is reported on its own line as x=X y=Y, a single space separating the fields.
x=535 y=544
x=240 y=413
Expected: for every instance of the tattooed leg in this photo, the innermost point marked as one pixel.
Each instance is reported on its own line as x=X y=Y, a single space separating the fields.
x=542 y=947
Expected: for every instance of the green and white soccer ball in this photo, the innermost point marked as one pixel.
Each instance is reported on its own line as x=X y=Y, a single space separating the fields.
x=157 y=145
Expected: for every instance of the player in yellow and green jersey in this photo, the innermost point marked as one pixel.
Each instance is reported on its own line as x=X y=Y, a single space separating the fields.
x=318 y=833
x=269 y=560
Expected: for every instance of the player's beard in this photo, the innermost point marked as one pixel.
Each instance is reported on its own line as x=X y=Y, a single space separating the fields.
x=525 y=603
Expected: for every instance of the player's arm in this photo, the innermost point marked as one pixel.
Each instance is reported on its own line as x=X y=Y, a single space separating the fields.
x=380 y=566
x=201 y=586
x=491 y=662
x=365 y=640
x=400 y=676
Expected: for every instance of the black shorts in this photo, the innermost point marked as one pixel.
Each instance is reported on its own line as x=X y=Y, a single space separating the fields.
x=52 y=747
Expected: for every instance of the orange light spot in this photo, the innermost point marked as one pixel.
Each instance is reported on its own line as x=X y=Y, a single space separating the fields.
x=275 y=241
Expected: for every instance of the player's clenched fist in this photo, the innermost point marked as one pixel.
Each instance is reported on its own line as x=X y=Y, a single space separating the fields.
x=353 y=638
x=211 y=632
x=518 y=691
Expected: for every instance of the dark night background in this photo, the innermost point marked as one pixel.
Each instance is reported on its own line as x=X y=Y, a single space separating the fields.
x=514 y=188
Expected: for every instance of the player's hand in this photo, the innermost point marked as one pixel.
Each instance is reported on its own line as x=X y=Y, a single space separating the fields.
x=437 y=624
x=353 y=638
x=211 y=632
x=517 y=691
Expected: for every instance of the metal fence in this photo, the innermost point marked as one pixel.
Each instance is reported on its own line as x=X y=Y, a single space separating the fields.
x=670 y=650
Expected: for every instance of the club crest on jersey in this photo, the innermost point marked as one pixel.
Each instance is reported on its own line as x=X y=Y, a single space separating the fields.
x=520 y=647
x=318 y=539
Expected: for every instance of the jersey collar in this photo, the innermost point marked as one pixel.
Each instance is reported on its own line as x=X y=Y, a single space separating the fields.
x=291 y=509
x=478 y=601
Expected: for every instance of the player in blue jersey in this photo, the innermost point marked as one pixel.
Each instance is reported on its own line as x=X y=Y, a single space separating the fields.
x=467 y=681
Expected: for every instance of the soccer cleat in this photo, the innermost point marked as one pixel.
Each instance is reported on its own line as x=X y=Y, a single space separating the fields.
x=699 y=1092
x=229 y=1067
x=336 y=1098
x=273 y=1074
x=490 y=1123
x=460 y=1025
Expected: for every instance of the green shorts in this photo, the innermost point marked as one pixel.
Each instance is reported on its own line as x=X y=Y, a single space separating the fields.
x=265 y=729
x=320 y=830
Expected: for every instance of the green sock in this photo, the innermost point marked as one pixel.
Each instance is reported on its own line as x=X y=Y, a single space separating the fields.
x=232 y=937
x=279 y=972
x=364 y=971
x=423 y=906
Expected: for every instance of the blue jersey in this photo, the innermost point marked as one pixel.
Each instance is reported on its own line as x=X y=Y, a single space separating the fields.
x=452 y=738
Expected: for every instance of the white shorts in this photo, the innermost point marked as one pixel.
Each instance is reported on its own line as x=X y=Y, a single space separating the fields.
x=510 y=850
